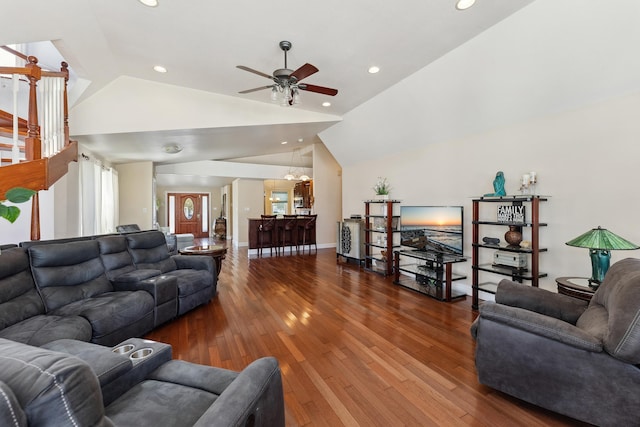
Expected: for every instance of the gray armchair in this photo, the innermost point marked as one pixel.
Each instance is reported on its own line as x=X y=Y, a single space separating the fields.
x=576 y=358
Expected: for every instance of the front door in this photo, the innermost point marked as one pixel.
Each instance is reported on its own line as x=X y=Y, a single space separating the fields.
x=191 y=214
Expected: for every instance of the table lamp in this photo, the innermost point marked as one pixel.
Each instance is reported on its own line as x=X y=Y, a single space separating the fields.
x=600 y=243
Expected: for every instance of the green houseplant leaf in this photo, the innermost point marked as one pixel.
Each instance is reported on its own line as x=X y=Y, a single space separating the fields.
x=19 y=195
x=15 y=195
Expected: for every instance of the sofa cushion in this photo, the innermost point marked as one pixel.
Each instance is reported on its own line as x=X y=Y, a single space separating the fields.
x=19 y=298
x=11 y=413
x=68 y=272
x=149 y=250
x=191 y=281
x=619 y=294
x=53 y=388
x=41 y=329
x=118 y=263
x=162 y=403
x=110 y=311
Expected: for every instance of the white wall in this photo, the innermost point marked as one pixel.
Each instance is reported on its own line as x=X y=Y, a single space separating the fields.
x=327 y=194
x=585 y=160
x=248 y=202
x=552 y=89
x=136 y=194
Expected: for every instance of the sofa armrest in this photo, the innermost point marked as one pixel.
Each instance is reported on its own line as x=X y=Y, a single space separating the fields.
x=161 y=287
x=539 y=324
x=106 y=364
x=562 y=307
x=196 y=262
x=254 y=398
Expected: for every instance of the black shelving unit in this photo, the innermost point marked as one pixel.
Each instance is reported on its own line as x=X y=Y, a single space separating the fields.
x=430 y=273
x=532 y=223
x=381 y=225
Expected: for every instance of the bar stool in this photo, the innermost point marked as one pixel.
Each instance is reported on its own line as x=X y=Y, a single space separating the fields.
x=307 y=230
x=287 y=235
x=267 y=228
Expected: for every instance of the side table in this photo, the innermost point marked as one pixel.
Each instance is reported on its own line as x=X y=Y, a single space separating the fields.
x=217 y=252
x=577 y=287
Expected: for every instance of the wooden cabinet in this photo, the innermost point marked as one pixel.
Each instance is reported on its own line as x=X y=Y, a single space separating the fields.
x=381 y=235
x=303 y=195
x=486 y=219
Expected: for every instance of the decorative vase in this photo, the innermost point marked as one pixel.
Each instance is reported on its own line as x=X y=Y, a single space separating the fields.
x=513 y=236
x=382 y=197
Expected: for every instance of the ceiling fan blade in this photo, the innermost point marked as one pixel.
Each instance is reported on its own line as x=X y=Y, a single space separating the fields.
x=319 y=89
x=251 y=70
x=256 y=89
x=305 y=71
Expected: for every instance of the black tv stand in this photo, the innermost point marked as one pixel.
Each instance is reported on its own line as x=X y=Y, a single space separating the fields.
x=431 y=271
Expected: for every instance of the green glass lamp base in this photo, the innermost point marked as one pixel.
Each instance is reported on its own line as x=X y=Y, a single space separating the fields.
x=600 y=261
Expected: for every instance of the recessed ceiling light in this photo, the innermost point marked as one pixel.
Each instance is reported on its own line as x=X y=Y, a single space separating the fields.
x=326 y=104
x=300 y=139
x=160 y=69
x=284 y=142
x=464 y=4
x=150 y=3
x=172 y=148
x=374 y=69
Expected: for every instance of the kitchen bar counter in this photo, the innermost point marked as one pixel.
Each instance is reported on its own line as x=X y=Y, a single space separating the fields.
x=254 y=224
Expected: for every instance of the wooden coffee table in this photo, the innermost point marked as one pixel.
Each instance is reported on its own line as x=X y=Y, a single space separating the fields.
x=217 y=252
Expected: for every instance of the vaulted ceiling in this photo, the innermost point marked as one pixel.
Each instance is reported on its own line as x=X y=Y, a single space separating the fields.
x=112 y=47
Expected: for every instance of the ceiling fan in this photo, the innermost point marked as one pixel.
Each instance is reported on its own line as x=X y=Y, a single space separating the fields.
x=287 y=83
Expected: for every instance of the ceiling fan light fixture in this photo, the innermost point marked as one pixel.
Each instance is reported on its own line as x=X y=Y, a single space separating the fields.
x=296 y=96
x=287 y=83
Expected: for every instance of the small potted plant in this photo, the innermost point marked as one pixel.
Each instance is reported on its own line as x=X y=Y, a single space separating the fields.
x=382 y=189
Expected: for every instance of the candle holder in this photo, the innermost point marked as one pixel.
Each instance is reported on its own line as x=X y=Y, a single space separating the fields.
x=533 y=180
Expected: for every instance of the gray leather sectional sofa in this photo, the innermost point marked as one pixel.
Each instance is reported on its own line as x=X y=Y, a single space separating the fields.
x=70 y=312
x=102 y=289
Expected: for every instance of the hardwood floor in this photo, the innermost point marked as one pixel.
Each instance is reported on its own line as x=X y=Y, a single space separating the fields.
x=354 y=349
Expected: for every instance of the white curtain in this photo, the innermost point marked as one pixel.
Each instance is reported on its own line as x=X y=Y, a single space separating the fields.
x=98 y=198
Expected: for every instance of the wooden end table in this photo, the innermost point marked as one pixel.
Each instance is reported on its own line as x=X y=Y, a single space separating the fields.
x=217 y=252
x=577 y=287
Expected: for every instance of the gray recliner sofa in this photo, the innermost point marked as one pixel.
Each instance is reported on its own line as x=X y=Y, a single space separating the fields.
x=41 y=387
x=576 y=358
x=88 y=288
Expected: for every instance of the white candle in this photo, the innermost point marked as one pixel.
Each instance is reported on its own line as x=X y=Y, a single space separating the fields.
x=532 y=177
x=525 y=179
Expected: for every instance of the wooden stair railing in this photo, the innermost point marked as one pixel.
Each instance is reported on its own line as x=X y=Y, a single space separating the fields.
x=35 y=172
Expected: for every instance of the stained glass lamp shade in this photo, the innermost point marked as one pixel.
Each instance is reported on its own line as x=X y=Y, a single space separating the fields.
x=600 y=243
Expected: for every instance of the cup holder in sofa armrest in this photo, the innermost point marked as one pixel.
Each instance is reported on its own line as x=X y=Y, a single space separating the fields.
x=124 y=349
x=141 y=354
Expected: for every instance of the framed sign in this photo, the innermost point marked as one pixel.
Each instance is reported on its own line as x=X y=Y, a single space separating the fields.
x=511 y=214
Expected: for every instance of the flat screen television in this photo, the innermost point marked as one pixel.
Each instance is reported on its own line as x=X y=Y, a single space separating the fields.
x=432 y=228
